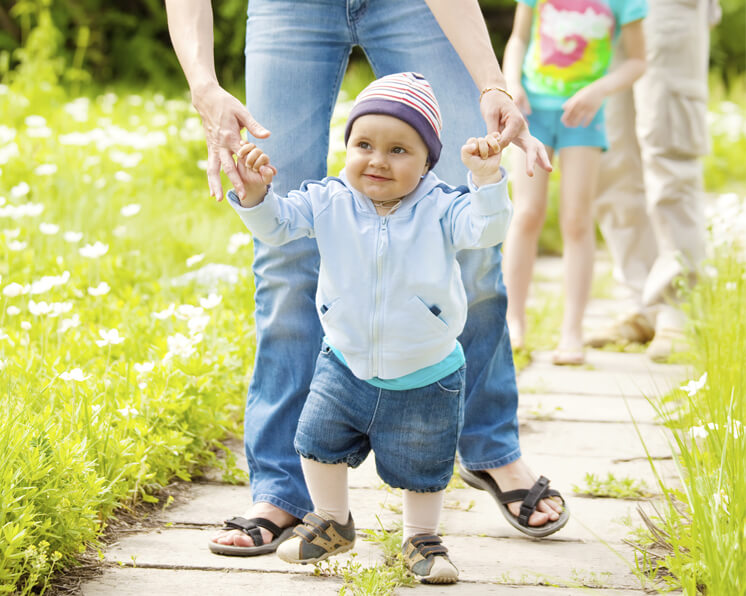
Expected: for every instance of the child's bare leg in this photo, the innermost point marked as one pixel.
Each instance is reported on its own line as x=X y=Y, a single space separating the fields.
x=529 y=210
x=579 y=167
x=327 y=485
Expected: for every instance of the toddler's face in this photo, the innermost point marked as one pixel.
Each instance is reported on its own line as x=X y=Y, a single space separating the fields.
x=386 y=157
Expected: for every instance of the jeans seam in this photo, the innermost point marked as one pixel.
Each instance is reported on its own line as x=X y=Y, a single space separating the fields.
x=375 y=412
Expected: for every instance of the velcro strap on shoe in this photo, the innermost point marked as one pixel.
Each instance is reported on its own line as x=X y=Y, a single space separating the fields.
x=321 y=532
x=428 y=544
x=536 y=493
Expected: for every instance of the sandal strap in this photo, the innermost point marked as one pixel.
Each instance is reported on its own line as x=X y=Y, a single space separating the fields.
x=250 y=527
x=321 y=532
x=535 y=494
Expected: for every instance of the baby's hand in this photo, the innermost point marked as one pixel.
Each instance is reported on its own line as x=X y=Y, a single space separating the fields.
x=482 y=157
x=257 y=174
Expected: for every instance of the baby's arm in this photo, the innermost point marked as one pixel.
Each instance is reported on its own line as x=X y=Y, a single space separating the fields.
x=581 y=108
x=482 y=157
x=258 y=174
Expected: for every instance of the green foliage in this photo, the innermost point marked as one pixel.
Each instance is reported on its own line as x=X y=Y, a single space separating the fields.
x=129 y=41
x=613 y=487
x=123 y=41
x=102 y=203
x=697 y=540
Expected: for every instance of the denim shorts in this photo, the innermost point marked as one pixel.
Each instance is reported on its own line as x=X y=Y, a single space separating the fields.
x=412 y=432
x=546 y=125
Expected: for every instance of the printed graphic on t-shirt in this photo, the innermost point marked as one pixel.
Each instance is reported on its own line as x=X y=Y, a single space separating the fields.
x=571 y=44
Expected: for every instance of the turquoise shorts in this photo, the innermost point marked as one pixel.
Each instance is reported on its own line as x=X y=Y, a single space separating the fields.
x=546 y=125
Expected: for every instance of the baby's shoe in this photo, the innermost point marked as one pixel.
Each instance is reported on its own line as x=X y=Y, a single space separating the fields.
x=317 y=538
x=427 y=558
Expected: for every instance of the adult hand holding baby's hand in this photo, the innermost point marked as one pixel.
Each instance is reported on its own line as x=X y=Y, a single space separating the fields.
x=482 y=156
x=257 y=174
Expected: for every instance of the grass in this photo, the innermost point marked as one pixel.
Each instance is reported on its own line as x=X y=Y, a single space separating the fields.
x=612 y=487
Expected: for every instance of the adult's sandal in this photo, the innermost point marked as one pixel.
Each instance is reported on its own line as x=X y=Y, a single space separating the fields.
x=251 y=527
x=528 y=498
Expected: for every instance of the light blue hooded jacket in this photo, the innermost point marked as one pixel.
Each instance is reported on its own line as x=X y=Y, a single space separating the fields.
x=390 y=296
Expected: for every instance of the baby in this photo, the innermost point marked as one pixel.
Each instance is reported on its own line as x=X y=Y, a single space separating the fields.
x=390 y=374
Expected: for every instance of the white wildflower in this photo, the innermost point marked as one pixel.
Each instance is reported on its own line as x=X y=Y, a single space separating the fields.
x=122 y=176
x=194 y=259
x=198 y=324
x=10 y=234
x=34 y=121
x=179 y=345
x=78 y=109
x=8 y=152
x=697 y=432
x=66 y=324
x=17 y=245
x=128 y=412
x=72 y=237
x=13 y=311
x=40 y=132
x=74 y=375
x=20 y=190
x=49 y=229
x=109 y=337
x=25 y=325
x=39 y=308
x=94 y=251
x=187 y=311
x=202 y=164
x=164 y=314
x=48 y=282
x=3 y=335
x=46 y=169
x=130 y=210
x=100 y=290
x=119 y=231
x=126 y=160
x=730 y=286
x=12 y=290
x=7 y=134
x=692 y=387
x=60 y=308
x=144 y=368
x=236 y=241
x=211 y=301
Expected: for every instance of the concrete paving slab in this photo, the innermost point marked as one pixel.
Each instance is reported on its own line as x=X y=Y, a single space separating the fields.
x=585 y=408
x=547 y=378
x=180 y=582
x=479 y=559
x=613 y=440
x=186 y=548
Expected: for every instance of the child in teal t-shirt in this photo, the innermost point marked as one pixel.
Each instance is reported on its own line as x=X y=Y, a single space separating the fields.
x=556 y=63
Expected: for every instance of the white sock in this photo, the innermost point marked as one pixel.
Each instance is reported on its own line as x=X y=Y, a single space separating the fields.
x=327 y=484
x=421 y=513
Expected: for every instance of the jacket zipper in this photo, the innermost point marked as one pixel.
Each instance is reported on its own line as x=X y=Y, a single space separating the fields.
x=377 y=319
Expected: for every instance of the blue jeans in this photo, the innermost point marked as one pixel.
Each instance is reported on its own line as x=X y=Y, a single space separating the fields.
x=412 y=432
x=296 y=56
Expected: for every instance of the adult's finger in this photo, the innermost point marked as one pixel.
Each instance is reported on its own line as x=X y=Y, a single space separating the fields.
x=249 y=123
x=213 y=175
x=514 y=125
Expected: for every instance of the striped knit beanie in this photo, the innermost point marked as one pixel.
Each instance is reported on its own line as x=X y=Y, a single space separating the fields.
x=408 y=97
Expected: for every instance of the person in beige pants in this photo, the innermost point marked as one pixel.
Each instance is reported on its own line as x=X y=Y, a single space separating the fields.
x=650 y=203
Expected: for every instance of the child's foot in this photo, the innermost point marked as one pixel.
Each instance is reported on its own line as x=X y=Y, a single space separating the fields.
x=427 y=558
x=316 y=539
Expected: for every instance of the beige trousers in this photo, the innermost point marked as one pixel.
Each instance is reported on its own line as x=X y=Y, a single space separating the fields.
x=650 y=201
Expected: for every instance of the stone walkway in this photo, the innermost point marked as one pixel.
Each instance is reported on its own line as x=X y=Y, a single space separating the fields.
x=573 y=421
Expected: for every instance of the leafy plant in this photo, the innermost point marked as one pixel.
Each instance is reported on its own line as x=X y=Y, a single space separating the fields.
x=613 y=487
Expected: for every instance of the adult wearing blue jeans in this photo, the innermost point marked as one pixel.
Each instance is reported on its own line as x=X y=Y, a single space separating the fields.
x=296 y=56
